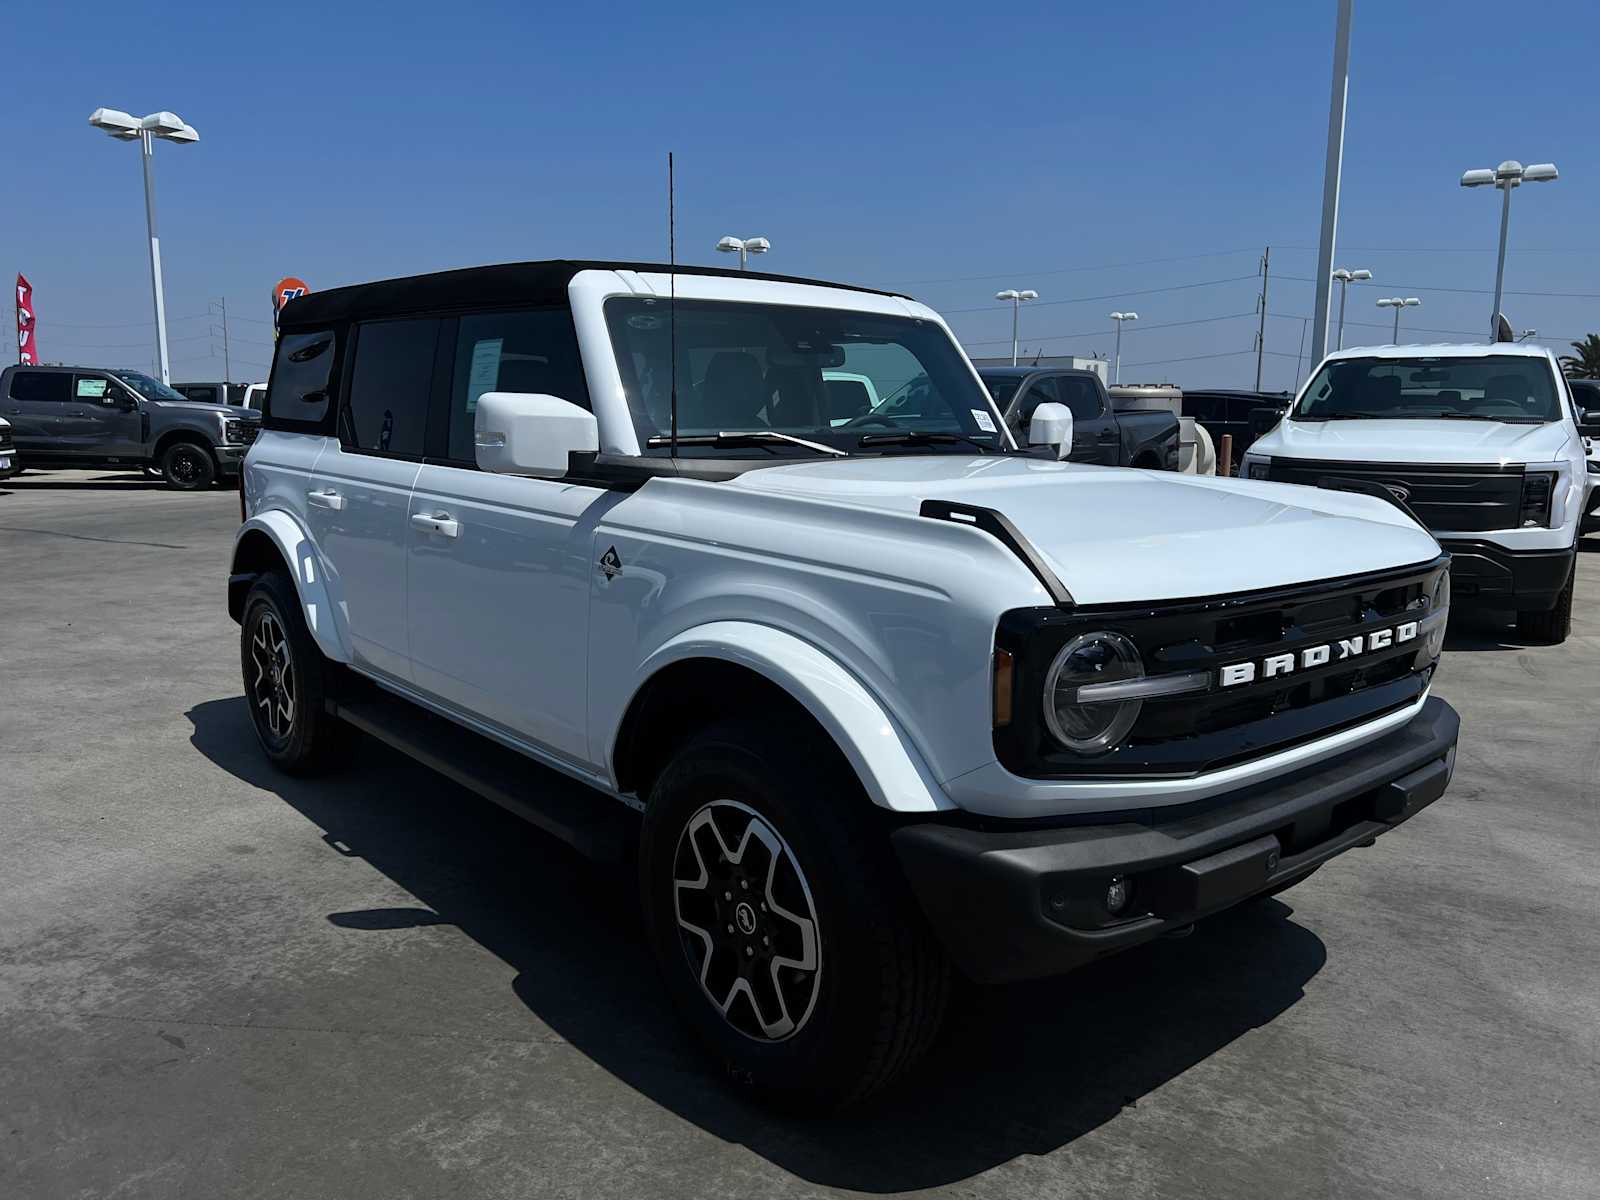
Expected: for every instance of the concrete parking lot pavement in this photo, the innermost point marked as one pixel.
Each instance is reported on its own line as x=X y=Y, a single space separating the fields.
x=218 y=981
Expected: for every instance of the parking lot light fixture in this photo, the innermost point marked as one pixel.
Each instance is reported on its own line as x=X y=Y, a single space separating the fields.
x=169 y=127
x=1397 y=303
x=744 y=247
x=1017 y=299
x=1507 y=175
x=1119 y=318
x=1345 y=276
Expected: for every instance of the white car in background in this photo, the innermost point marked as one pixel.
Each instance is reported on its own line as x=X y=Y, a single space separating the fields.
x=9 y=463
x=1480 y=442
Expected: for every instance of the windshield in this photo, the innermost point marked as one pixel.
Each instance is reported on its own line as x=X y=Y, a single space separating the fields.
x=150 y=389
x=825 y=375
x=1496 y=387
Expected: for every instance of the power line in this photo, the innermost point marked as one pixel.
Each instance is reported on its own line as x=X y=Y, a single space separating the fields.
x=1417 y=287
x=1142 y=262
x=121 y=324
x=1062 y=337
x=1177 y=287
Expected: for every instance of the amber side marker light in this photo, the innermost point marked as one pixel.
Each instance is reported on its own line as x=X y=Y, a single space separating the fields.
x=1003 y=672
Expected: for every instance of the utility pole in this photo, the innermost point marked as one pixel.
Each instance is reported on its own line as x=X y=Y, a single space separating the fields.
x=227 y=361
x=1261 y=332
x=1331 y=172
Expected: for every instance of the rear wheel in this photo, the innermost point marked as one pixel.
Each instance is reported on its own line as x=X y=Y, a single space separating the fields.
x=188 y=466
x=286 y=681
x=782 y=928
x=1550 y=627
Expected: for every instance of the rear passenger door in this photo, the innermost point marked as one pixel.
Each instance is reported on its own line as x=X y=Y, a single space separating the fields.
x=1095 y=435
x=500 y=567
x=358 y=502
x=35 y=403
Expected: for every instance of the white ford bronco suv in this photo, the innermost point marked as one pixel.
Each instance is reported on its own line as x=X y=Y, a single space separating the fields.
x=1481 y=442
x=871 y=694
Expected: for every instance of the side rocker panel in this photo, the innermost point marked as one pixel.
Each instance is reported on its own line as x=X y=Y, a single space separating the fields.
x=306 y=569
x=889 y=767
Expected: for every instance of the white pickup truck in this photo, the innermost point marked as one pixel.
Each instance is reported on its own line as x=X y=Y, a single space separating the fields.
x=872 y=696
x=1480 y=442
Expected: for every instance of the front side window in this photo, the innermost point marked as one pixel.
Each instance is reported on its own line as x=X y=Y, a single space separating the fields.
x=387 y=409
x=1081 y=396
x=302 y=376
x=51 y=387
x=824 y=375
x=150 y=389
x=1498 y=387
x=533 y=352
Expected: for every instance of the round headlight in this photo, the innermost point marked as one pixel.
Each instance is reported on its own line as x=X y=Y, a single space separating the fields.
x=1438 y=615
x=1092 y=726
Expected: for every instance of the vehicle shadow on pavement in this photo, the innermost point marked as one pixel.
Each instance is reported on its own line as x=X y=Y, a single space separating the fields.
x=1020 y=1070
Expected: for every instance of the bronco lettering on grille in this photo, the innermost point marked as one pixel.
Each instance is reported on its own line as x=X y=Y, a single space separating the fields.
x=1308 y=657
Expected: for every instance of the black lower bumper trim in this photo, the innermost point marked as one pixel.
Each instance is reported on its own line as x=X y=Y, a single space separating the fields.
x=1490 y=576
x=1017 y=904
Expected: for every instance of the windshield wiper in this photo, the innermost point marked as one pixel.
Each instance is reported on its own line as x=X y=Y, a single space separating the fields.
x=1344 y=416
x=753 y=437
x=1466 y=416
x=922 y=437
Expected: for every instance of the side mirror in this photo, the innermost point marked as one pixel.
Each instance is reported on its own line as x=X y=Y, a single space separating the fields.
x=1051 y=425
x=519 y=433
x=1589 y=416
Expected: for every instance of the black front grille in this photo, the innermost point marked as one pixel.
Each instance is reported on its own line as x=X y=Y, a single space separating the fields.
x=1202 y=731
x=1457 y=499
x=5 y=439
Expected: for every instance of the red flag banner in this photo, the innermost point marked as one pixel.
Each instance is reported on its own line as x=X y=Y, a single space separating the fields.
x=27 y=342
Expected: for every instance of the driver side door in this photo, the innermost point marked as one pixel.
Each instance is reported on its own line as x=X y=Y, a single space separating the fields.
x=102 y=419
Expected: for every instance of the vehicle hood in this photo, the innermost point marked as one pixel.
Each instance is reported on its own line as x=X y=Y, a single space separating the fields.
x=227 y=410
x=1397 y=441
x=1114 y=534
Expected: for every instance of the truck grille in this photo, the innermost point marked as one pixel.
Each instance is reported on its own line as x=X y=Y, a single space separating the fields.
x=1187 y=734
x=5 y=439
x=1455 y=499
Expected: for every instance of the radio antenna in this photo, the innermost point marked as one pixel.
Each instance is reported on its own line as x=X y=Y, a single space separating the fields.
x=672 y=298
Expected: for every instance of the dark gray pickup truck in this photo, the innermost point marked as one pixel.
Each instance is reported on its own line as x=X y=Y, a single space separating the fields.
x=93 y=417
x=1100 y=434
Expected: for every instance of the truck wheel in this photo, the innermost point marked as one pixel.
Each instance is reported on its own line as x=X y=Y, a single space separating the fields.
x=188 y=467
x=1551 y=627
x=286 y=680
x=781 y=925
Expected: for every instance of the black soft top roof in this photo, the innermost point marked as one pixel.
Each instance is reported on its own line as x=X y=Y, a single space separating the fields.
x=492 y=286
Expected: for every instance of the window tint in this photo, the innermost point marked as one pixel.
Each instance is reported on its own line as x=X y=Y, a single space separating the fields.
x=40 y=385
x=387 y=409
x=1040 y=391
x=1202 y=406
x=1515 y=389
x=534 y=352
x=1081 y=396
x=302 y=373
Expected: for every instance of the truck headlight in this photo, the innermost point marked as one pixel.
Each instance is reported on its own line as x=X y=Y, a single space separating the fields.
x=238 y=431
x=1538 y=492
x=1257 y=468
x=1092 y=726
x=1438 y=617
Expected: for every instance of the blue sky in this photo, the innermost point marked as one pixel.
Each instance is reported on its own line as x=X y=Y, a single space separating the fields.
x=1093 y=152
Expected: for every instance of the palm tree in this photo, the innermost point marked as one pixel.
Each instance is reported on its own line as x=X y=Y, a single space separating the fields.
x=1585 y=364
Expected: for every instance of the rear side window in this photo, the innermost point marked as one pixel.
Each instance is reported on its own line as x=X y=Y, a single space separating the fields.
x=302 y=379
x=534 y=352
x=387 y=409
x=47 y=386
x=1081 y=396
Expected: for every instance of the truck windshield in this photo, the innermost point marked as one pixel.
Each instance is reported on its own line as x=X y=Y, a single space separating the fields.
x=1496 y=387
x=824 y=375
x=150 y=389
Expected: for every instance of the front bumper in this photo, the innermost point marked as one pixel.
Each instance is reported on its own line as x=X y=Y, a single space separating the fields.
x=1022 y=903
x=230 y=458
x=13 y=462
x=1485 y=575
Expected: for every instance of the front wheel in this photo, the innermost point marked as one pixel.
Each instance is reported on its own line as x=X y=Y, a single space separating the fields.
x=286 y=681
x=782 y=928
x=1550 y=628
x=188 y=467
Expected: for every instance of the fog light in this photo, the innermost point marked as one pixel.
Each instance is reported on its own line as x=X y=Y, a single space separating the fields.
x=1117 y=895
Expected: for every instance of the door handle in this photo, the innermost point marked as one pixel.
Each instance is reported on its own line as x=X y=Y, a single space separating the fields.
x=325 y=498
x=441 y=523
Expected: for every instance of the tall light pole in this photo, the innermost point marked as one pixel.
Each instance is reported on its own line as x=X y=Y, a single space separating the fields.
x=744 y=246
x=1016 y=299
x=1119 y=318
x=168 y=127
x=1331 y=172
x=1506 y=176
x=1396 y=303
x=1345 y=277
